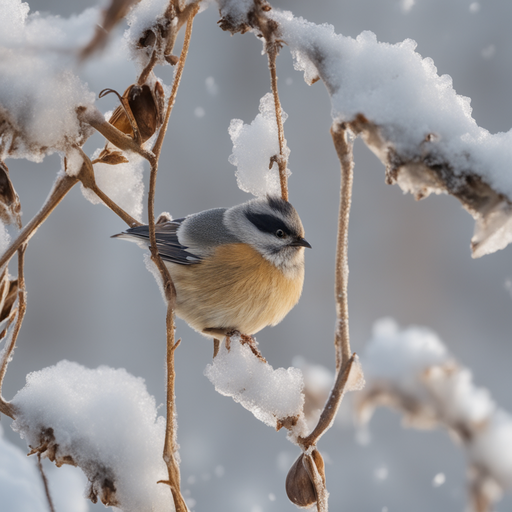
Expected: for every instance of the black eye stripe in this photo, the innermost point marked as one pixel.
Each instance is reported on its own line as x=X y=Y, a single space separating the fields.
x=268 y=223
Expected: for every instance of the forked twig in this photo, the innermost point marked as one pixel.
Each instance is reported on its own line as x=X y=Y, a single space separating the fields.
x=61 y=187
x=86 y=176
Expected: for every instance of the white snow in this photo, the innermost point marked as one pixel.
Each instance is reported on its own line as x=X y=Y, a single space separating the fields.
x=21 y=486
x=412 y=370
x=211 y=86
x=123 y=183
x=271 y=395
x=398 y=90
x=107 y=422
x=38 y=91
x=253 y=147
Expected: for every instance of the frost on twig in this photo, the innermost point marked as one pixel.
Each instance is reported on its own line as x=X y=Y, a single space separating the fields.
x=102 y=421
x=411 y=370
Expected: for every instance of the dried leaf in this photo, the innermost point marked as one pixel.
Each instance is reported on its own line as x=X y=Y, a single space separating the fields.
x=10 y=207
x=110 y=157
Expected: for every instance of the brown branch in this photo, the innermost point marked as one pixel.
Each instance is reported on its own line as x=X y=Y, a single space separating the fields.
x=344 y=359
x=62 y=186
x=331 y=407
x=86 y=176
x=45 y=484
x=170 y=445
x=93 y=117
x=272 y=51
x=6 y=407
x=344 y=149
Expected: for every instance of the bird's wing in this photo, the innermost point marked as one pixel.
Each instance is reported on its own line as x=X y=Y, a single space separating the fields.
x=167 y=242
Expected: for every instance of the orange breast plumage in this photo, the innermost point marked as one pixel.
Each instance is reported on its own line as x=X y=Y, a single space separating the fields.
x=236 y=289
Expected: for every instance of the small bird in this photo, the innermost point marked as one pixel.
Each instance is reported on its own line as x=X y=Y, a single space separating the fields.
x=235 y=269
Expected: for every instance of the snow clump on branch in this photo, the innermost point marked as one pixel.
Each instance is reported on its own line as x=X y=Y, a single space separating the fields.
x=103 y=421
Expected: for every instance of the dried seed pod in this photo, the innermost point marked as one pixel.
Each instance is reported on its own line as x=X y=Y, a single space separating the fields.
x=10 y=207
x=299 y=484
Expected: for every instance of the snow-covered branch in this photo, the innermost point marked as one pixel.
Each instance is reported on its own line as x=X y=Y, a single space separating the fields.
x=412 y=371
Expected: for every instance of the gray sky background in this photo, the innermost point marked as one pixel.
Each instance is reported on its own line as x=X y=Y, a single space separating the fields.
x=91 y=300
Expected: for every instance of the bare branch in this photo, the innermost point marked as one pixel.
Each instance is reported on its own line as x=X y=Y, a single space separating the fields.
x=344 y=149
x=86 y=176
x=45 y=484
x=331 y=407
x=62 y=186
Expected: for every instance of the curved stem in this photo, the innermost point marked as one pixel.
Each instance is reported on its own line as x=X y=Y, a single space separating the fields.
x=330 y=408
x=344 y=149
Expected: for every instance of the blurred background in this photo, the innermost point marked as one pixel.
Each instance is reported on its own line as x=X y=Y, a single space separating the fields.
x=91 y=299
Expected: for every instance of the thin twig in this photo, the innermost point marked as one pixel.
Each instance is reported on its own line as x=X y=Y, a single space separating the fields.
x=170 y=446
x=45 y=484
x=22 y=307
x=272 y=51
x=344 y=149
x=94 y=117
x=331 y=407
x=344 y=359
x=87 y=177
x=216 y=347
x=62 y=186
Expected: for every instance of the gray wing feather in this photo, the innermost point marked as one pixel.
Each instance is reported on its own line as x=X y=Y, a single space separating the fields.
x=167 y=242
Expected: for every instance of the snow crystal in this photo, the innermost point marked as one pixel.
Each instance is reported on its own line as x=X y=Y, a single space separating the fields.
x=474 y=7
x=407 y=5
x=438 y=480
x=199 y=112
x=271 y=395
x=211 y=86
x=253 y=147
x=123 y=183
x=488 y=52
x=107 y=422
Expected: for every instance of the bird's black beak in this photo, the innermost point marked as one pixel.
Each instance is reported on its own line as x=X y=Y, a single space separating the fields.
x=299 y=242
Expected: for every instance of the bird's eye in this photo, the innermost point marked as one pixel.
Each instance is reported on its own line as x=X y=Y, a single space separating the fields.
x=280 y=233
